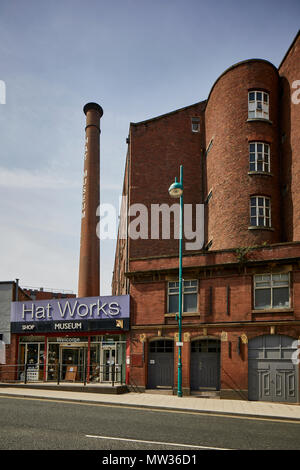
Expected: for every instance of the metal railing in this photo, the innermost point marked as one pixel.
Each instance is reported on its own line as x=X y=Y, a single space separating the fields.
x=31 y=373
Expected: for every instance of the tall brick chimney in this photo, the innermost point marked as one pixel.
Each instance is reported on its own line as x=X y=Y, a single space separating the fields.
x=89 y=261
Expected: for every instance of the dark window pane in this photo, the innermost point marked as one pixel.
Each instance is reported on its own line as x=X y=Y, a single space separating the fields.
x=260 y=201
x=281 y=297
x=262 y=298
x=259 y=96
x=173 y=303
x=251 y=96
x=253 y=221
x=190 y=303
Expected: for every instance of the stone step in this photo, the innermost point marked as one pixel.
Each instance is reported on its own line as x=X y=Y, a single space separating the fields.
x=206 y=394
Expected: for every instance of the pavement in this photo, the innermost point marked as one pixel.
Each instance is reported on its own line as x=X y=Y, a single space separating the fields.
x=240 y=408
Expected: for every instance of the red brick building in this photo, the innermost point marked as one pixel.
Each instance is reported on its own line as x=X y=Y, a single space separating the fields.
x=240 y=150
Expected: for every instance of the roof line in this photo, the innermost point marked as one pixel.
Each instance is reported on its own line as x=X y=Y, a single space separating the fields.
x=289 y=49
x=242 y=62
x=166 y=114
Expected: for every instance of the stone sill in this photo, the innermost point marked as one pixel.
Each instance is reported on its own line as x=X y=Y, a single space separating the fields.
x=274 y=310
x=254 y=227
x=185 y=314
x=262 y=173
x=260 y=120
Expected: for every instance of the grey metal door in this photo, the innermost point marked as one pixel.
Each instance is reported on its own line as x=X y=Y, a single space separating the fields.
x=272 y=376
x=205 y=364
x=161 y=364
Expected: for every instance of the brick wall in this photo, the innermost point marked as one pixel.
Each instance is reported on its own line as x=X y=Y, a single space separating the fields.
x=157 y=149
x=289 y=71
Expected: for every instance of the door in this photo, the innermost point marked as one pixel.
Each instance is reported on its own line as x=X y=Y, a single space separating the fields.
x=161 y=364
x=205 y=364
x=73 y=363
x=109 y=364
x=272 y=376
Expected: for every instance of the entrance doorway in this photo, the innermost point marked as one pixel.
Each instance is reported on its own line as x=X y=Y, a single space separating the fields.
x=73 y=363
x=205 y=364
x=161 y=364
x=272 y=374
x=110 y=368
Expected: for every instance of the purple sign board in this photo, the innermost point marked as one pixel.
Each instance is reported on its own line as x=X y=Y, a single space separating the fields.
x=79 y=314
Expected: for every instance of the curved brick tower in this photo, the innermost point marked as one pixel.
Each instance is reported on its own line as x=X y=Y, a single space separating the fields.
x=89 y=261
x=229 y=133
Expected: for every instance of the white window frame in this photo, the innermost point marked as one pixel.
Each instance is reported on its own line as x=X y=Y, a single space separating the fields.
x=258 y=104
x=262 y=211
x=259 y=155
x=195 y=124
x=188 y=288
x=271 y=281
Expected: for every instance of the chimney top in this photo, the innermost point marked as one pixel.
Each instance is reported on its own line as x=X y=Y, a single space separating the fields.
x=95 y=106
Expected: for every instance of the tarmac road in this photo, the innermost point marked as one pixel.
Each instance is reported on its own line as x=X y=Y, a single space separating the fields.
x=42 y=424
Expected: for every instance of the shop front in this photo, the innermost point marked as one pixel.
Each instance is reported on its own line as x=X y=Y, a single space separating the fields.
x=88 y=345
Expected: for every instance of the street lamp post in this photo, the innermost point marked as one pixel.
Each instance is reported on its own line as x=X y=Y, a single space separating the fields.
x=176 y=191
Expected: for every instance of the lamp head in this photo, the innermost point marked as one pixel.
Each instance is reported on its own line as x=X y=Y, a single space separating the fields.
x=176 y=190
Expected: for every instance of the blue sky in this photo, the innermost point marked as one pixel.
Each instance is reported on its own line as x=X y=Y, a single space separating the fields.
x=137 y=59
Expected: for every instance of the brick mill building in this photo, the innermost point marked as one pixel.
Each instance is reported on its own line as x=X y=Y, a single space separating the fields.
x=240 y=150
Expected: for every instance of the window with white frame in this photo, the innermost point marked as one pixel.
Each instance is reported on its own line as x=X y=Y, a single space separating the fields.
x=190 y=296
x=258 y=105
x=259 y=157
x=195 y=124
x=260 y=211
x=271 y=291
